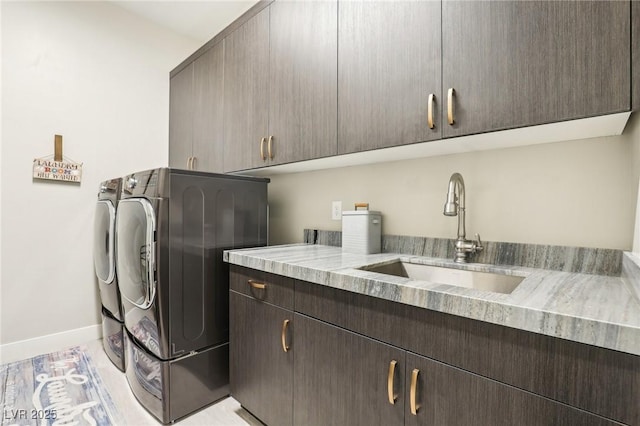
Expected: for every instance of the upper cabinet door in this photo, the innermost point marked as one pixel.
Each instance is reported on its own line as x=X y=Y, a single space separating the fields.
x=246 y=94
x=208 y=83
x=303 y=73
x=520 y=63
x=389 y=63
x=181 y=118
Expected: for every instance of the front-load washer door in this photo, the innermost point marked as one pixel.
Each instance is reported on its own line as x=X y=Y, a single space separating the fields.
x=135 y=251
x=103 y=240
x=104 y=257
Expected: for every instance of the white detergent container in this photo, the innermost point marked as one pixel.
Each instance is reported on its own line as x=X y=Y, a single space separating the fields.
x=361 y=230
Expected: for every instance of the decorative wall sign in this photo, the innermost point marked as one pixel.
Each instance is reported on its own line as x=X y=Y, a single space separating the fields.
x=56 y=167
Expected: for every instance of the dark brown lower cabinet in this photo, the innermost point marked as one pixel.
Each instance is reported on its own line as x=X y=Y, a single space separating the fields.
x=342 y=378
x=446 y=395
x=261 y=372
x=596 y=380
x=345 y=365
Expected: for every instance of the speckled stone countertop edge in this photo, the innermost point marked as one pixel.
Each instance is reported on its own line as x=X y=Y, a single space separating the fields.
x=328 y=266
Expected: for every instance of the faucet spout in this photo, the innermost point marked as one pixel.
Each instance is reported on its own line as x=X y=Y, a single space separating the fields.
x=455 y=202
x=455 y=206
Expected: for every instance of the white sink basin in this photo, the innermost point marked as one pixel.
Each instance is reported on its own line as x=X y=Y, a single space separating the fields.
x=488 y=281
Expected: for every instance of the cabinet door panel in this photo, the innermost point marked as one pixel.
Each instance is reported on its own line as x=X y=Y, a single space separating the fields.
x=303 y=72
x=260 y=371
x=181 y=118
x=449 y=396
x=389 y=62
x=341 y=378
x=208 y=82
x=520 y=63
x=246 y=93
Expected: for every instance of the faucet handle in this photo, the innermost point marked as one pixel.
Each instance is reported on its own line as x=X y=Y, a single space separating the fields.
x=478 y=243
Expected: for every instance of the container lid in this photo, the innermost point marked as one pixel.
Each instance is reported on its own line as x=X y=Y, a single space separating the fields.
x=364 y=212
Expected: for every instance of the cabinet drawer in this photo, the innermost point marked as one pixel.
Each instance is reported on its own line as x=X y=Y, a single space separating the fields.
x=263 y=286
x=594 y=379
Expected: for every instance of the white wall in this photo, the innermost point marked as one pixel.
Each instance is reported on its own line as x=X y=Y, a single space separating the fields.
x=576 y=193
x=99 y=76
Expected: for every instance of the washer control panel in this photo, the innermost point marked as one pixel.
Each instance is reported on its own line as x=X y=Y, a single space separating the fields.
x=132 y=181
x=110 y=190
x=142 y=183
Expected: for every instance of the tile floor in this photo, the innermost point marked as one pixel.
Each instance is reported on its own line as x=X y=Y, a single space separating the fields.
x=226 y=412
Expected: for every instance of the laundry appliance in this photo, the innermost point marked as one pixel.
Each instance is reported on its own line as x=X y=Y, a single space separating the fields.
x=172 y=227
x=104 y=262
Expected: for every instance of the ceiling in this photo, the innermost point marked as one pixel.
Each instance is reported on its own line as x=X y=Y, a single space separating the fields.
x=200 y=20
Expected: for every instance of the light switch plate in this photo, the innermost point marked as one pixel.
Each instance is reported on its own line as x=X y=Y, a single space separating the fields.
x=336 y=210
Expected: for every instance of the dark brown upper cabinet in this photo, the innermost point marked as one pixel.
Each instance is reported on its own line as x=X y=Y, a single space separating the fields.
x=246 y=94
x=280 y=86
x=520 y=63
x=208 y=84
x=195 y=117
x=303 y=80
x=180 y=118
x=389 y=74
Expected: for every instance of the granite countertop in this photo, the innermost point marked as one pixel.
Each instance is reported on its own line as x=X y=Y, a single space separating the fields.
x=593 y=309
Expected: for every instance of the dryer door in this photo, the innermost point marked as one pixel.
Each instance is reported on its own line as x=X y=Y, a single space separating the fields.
x=103 y=241
x=135 y=249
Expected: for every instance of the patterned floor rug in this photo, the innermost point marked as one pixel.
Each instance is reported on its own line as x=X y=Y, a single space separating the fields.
x=60 y=388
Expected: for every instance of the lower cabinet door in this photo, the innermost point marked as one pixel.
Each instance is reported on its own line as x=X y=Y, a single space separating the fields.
x=260 y=369
x=342 y=378
x=445 y=395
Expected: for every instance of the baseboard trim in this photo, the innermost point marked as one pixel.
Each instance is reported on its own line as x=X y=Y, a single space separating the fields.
x=28 y=348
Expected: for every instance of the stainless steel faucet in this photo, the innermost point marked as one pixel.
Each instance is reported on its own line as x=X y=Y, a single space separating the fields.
x=455 y=207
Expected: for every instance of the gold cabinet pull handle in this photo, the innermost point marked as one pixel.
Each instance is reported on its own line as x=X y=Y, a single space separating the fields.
x=189 y=163
x=392 y=371
x=432 y=99
x=269 y=147
x=450 y=116
x=262 y=141
x=257 y=285
x=285 y=324
x=412 y=393
x=194 y=162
